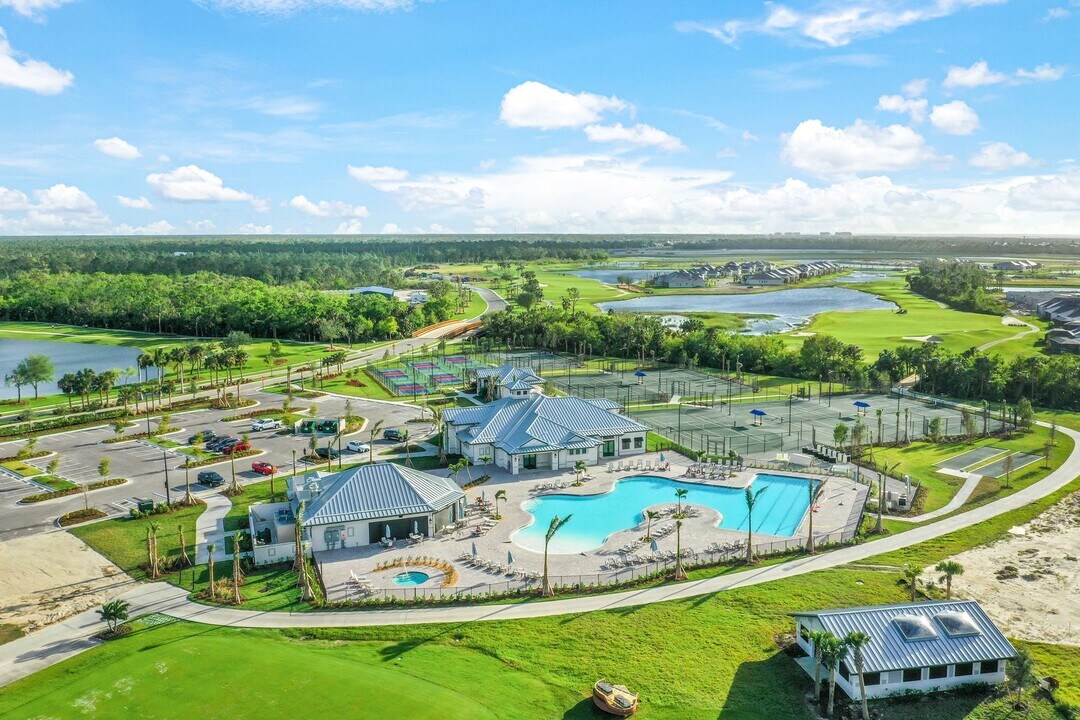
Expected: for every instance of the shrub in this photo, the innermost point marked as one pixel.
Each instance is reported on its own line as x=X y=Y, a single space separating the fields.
x=80 y=516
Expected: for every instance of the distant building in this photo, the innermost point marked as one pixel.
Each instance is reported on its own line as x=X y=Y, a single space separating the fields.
x=372 y=290
x=507 y=381
x=791 y=274
x=914 y=647
x=681 y=279
x=1017 y=266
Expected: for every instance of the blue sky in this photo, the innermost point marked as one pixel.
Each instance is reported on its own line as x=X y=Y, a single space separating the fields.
x=182 y=116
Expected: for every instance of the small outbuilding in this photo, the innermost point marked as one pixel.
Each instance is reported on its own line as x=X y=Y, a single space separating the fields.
x=921 y=647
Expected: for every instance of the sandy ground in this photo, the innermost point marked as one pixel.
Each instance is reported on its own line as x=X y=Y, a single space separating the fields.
x=49 y=577
x=1028 y=581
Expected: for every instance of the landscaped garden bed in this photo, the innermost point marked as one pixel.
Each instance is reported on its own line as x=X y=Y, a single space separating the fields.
x=72 y=490
x=214 y=459
x=80 y=516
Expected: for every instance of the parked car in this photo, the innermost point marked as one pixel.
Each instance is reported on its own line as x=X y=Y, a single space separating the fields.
x=210 y=478
x=393 y=434
x=217 y=444
x=357 y=446
x=263 y=468
x=326 y=452
x=265 y=424
x=237 y=447
x=203 y=436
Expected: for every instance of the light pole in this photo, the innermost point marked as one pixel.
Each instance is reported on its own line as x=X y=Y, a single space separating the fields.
x=165 y=462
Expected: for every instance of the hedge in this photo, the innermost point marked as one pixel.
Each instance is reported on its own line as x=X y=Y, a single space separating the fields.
x=41 y=497
x=218 y=458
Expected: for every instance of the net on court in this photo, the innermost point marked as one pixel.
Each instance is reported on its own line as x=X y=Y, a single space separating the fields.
x=424 y=375
x=393 y=373
x=633 y=386
x=423 y=365
x=790 y=425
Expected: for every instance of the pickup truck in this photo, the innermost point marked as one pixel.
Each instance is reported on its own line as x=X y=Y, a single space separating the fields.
x=265 y=424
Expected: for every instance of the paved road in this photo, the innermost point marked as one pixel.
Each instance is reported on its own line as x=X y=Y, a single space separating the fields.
x=51 y=645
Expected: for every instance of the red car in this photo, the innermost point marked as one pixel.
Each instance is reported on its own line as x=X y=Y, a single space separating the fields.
x=236 y=448
x=263 y=468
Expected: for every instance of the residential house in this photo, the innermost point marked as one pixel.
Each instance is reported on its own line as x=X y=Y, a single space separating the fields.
x=680 y=279
x=507 y=381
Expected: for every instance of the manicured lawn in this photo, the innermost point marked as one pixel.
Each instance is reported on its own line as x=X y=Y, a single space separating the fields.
x=919 y=459
x=476 y=306
x=54 y=483
x=876 y=330
x=18 y=466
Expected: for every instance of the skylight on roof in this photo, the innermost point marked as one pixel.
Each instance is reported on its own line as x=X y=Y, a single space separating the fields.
x=957 y=624
x=915 y=627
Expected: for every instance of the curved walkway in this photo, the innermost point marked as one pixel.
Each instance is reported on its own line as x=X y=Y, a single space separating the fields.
x=1024 y=333
x=51 y=645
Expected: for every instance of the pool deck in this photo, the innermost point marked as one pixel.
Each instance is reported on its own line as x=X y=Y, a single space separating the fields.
x=838 y=510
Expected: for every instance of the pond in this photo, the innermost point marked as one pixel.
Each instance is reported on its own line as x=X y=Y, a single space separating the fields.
x=789 y=309
x=864 y=276
x=610 y=275
x=67 y=357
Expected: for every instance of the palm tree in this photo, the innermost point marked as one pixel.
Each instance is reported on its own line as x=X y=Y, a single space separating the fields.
x=556 y=524
x=680 y=493
x=499 y=495
x=579 y=469
x=152 y=548
x=949 y=569
x=912 y=573
x=680 y=573
x=814 y=489
x=650 y=515
x=188 y=498
x=856 y=640
x=184 y=559
x=114 y=612
x=375 y=428
x=833 y=652
x=237 y=574
x=817 y=637
x=408 y=454
x=210 y=548
x=751 y=501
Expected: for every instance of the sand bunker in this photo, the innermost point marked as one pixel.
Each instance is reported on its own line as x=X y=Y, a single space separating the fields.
x=1028 y=580
x=50 y=577
x=924 y=338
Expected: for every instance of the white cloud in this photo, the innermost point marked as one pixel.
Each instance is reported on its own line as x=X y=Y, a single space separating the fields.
x=915 y=88
x=915 y=107
x=1000 y=156
x=291 y=107
x=390 y=229
x=201 y=226
x=979 y=74
x=726 y=153
x=163 y=158
x=640 y=135
x=328 y=208
x=954 y=118
x=1056 y=13
x=533 y=104
x=33 y=9
x=349 y=227
x=161 y=227
x=139 y=203
x=60 y=208
x=748 y=136
x=25 y=74
x=488 y=163
x=117 y=148
x=1043 y=73
x=253 y=229
x=288 y=7
x=859 y=148
x=193 y=184
x=836 y=22
x=372 y=174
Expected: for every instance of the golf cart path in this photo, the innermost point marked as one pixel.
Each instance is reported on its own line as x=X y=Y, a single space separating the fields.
x=51 y=645
x=210 y=527
x=970 y=483
x=1023 y=333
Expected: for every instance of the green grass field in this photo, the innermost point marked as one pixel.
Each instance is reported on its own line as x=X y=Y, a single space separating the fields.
x=876 y=330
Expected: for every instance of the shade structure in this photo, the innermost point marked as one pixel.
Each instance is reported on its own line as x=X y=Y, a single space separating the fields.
x=639 y=373
x=653 y=546
x=387 y=533
x=509 y=558
x=861 y=404
x=663 y=457
x=415 y=527
x=475 y=552
x=759 y=413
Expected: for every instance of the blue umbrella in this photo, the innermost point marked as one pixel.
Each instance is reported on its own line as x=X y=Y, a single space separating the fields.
x=509 y=558
x=474 y=550
x=653 y=546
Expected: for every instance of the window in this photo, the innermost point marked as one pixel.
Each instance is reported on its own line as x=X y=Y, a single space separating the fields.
x=844 y=672
x=915 y=627
x=639 y=442
x=988 y=667
x=957 y=624
x=872 y=678
x=626 y=443
x=937 y=672
x=804 y=633
x=912 y=674
x=964 y=669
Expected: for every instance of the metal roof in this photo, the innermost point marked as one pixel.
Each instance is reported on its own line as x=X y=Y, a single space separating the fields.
x=538 y=423
x=510 y=374
x=888 y=650
x=382 y=490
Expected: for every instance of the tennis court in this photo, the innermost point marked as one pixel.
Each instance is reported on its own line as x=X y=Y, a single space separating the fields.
x=646 y=385
x=425 y=375
x=790 y=425
x=969 y=458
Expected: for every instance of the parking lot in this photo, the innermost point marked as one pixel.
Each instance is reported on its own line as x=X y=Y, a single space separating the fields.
x=144 y=464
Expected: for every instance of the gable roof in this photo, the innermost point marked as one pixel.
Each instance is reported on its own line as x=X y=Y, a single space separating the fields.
x=538 y=423
x=888 y=650
x=376 y=491
x=511 y=376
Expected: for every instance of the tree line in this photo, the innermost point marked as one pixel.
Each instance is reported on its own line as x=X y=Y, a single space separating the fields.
x=960 y=285
x=211 y=304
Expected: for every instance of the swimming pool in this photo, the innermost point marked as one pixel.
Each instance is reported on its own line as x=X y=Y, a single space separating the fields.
x=779 y=510
x=413 y=577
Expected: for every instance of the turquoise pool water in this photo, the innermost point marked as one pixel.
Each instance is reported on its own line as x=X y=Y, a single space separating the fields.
x=779 y=510
x=413 y=577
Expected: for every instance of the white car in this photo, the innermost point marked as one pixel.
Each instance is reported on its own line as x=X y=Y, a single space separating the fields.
x=265 y=424
x=357 y=446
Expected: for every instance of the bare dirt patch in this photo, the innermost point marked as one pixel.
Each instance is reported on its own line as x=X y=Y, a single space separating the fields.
x=52 y=576
x=1028 y=581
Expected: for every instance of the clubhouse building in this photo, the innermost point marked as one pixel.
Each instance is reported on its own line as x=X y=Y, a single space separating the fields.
x=921 y=647
x=534 y=432
x=507 y=381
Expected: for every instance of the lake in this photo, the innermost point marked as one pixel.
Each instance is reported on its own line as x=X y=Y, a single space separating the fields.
x=610 y=276
x=789 y=309
x=66 y=356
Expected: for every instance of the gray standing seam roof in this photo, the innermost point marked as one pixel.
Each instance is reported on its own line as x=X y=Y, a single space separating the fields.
x=888 y=650
x=379 y=491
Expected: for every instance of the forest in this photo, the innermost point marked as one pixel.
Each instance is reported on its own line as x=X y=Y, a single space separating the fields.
x=960 y=285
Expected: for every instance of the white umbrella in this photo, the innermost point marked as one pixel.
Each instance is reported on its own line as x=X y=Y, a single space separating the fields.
x=387 y=535
x=663 y=457
x=509 y=558
x=474 y=551
x=415 y=527
x=653 y=546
